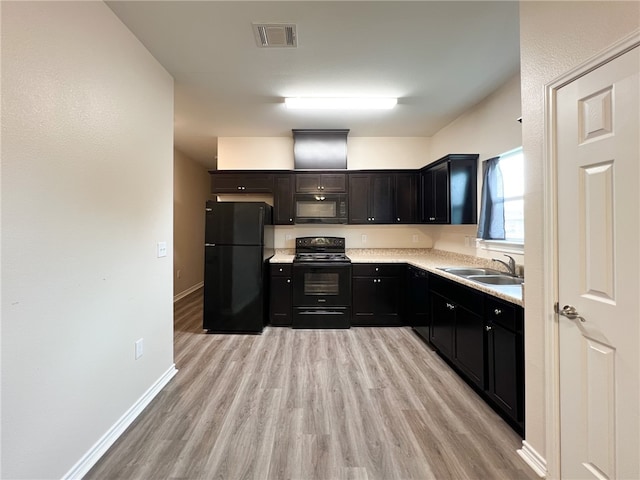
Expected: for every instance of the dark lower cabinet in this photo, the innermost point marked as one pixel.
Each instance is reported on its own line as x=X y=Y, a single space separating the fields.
x=505 y=359
x=376 y=294
x=280 y=295
x=442 y=324
x=481 y=336
x=469 y=344
x=417 y=301
x=457 y=326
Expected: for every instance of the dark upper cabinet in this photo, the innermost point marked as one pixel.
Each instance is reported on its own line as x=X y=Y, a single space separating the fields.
x=283 y=202
x=448 y=189
x=371 y=198
x=321 y=182
x=234 y=181
x=406 y=198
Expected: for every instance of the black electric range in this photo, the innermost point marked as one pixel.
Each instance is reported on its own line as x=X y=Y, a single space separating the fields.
x=321 y=283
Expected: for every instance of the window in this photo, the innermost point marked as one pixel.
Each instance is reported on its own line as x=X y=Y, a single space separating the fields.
x=511 y=165
x=501 y=225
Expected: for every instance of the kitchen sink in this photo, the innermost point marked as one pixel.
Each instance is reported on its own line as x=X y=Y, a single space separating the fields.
x=465 y=272
x=496 y=279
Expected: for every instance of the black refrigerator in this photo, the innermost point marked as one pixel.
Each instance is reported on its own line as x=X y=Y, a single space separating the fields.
x=238 y=246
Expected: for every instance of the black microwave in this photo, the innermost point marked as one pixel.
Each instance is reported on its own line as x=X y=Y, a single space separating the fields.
x=321 y=208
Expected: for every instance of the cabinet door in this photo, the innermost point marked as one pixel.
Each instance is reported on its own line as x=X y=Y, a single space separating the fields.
x=283 y=200
x=308 y=182
x=406 y=198
x=469 y=344
x=280 y=305
x=417 y=314
x=427 y=194
x=381 y=198
x=442 y=323
x=440 y=202
x=504 y=361
x=463 y=192
x=333 y=182
x=388 y=301
x=364 y=300
x=359 y=199
x=222 y=182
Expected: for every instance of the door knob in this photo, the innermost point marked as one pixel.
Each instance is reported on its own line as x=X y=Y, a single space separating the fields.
x=570 y=311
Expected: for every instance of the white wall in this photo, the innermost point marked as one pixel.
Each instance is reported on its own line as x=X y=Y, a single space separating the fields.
x=255 y=153
x=387 y=152
x=489 y=129
x=360 y=236
x=191 y=189
x=87 y=161
x=276 y=153
x=554 y=38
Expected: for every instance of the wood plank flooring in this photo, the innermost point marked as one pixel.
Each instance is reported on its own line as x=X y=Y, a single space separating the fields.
x=358 y=404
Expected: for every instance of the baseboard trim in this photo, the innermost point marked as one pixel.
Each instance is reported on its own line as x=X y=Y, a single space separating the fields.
x=533 y=459
x=82 y=467
x=188 y=291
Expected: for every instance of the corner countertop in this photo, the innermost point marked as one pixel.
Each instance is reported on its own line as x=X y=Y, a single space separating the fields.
x=429 y=260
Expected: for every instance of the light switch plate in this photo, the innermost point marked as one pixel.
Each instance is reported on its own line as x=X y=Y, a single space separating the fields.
x=162 y=249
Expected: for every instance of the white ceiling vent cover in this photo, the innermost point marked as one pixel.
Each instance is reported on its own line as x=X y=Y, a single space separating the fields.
x=275 y=34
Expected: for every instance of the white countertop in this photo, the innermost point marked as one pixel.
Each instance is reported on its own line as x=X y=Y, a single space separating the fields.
x=431 y=261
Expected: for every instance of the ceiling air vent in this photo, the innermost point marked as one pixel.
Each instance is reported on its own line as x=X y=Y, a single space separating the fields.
x=275 y=34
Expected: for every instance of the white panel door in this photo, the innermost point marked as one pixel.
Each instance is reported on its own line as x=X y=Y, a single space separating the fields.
x=598 y=158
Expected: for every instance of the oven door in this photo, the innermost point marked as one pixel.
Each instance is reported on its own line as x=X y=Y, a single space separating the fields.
x=321 y=284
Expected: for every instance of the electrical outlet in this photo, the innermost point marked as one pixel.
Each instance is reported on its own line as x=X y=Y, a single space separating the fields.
x=415 y=239
x=162 y=249
x=363 y=238
x=139 y=348
x=288 y=237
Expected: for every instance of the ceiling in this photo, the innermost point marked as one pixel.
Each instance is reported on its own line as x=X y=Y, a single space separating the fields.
x=438 y=58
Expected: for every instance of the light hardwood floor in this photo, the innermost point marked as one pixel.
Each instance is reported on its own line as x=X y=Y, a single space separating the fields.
x=364 y=403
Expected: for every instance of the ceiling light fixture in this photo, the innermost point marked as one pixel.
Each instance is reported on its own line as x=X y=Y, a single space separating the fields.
x=344 y=103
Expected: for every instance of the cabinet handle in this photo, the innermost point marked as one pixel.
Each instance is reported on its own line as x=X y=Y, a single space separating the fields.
x=288 y=280
x=321 y=188
x=377 y=269
x=280 y=269
x=318 y=187
x=497 y=311
x=291 y=219
x=432 y=218
x=373 y=218
x=450 y=307
x=488 y=328
x=239 y=188
x=398 y=219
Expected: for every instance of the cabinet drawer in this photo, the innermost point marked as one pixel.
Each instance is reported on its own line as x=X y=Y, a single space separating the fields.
x=377 y=269
x=280 y=269
x=466 y=297
x=502 y=313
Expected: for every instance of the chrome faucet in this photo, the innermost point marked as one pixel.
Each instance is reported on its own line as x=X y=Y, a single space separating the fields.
x=511 y=266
